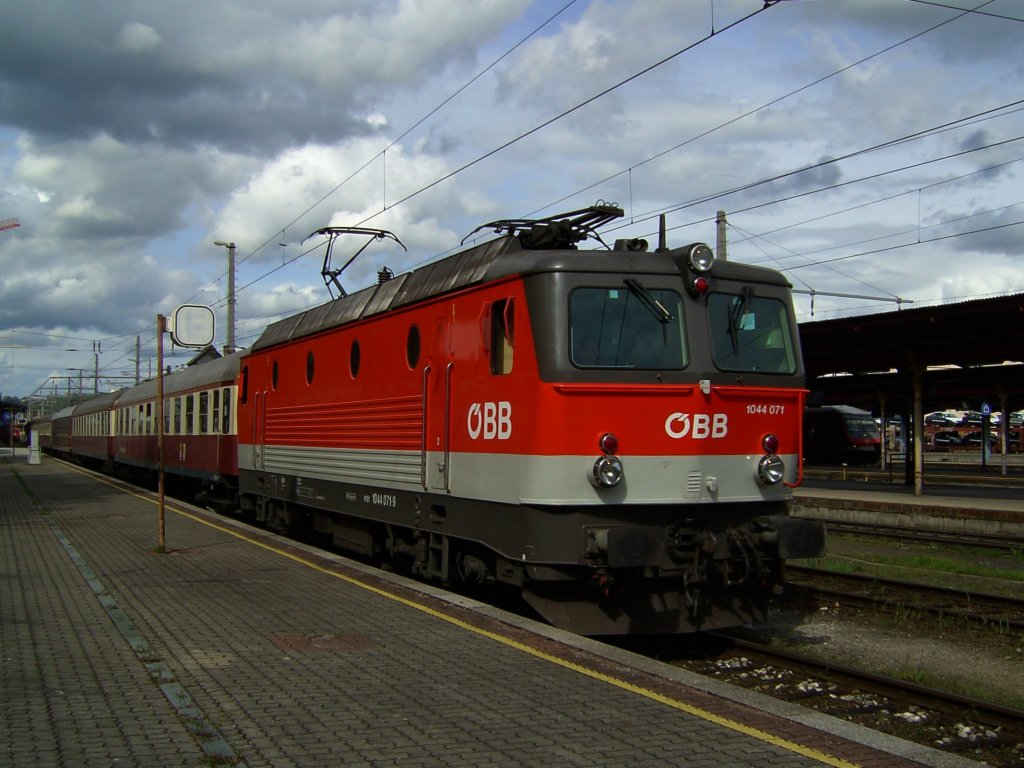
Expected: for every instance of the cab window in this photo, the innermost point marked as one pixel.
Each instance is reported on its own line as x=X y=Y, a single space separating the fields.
x=750 y=334
x=630 y=326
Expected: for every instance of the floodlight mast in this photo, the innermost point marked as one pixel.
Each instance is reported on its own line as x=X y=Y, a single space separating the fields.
x=229 y=347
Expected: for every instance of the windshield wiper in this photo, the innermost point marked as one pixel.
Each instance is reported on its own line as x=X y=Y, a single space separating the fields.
x=736 y=313
x=647 y=299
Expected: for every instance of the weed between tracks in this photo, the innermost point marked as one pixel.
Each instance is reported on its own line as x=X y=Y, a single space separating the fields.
x=988 y=571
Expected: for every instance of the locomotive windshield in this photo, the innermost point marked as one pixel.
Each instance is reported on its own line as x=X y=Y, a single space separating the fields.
x=627 y=327
x=749 y=333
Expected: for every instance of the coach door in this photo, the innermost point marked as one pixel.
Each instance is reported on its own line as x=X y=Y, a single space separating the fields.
x=437 y=382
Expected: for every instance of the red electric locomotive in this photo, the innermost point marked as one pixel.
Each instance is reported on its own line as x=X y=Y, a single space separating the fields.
x=612 y=432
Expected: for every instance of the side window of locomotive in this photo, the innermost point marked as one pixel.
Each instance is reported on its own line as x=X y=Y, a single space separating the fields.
x=353 y=359
x=412 y=347
x=273 y=376
x=245 y=385
x=625 y=328
x=502 y=324
x=751 y=334
x=310 y=367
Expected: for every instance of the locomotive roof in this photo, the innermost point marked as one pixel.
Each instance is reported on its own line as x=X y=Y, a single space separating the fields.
x=493 y=260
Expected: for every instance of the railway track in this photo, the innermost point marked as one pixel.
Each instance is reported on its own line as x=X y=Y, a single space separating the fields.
x=873 y=591
x=957 y=724
x=926 y=535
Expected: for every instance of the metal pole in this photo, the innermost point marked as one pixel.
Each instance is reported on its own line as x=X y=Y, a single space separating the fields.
x=917 y=425
x=231 y=298
x=721 y=242
x=161 y=327
x=230 y=346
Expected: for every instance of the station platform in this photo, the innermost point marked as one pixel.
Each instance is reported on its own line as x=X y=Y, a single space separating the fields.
x=934 y=511
x=238 y=647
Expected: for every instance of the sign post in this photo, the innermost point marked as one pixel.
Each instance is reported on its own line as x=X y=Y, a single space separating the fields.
x=191 y=325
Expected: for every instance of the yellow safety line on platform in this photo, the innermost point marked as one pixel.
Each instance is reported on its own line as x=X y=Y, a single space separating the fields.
x=703 y=714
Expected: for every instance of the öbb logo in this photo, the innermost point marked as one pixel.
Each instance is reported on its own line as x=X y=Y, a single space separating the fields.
x=700 y=426
x=491 y=421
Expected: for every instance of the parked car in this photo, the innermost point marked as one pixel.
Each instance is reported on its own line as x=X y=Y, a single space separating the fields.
x=941 y=419
x=973 y=439
x=943 y=441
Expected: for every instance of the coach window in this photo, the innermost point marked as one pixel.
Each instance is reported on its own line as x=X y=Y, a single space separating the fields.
x=215 y=425
x=412 y=347
x=149 y=419
x=226 y=400
x=353 y=359
x=167 y=416
x=204 y=413
x=273 y=376
x=190 y=412
x=310 y=367
x=177 y=415
x=502 y=324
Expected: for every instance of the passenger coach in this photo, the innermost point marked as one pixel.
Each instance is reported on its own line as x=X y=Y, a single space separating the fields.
x=200 y=437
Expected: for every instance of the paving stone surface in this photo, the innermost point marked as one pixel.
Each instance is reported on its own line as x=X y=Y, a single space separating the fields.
x=223 y=651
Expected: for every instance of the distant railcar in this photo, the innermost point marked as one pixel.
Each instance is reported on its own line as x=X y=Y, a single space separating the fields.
x=836 y=434
x=41 y=429
x=60 y=431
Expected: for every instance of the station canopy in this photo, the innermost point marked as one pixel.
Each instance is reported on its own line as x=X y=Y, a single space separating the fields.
x=971 y=353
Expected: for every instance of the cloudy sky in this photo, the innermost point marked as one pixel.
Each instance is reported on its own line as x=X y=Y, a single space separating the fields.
x=865 y=147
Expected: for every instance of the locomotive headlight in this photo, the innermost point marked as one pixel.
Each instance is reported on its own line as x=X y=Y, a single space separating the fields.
x=771 y=469
x=607 y=471
x=700 y=257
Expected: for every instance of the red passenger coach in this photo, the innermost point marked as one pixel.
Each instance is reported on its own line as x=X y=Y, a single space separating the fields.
x=92 y=439
x=612 y=432
x=200 y=439
x=60 y=432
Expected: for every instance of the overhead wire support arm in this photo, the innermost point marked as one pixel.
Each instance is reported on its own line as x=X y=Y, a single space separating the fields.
x=330 y=274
